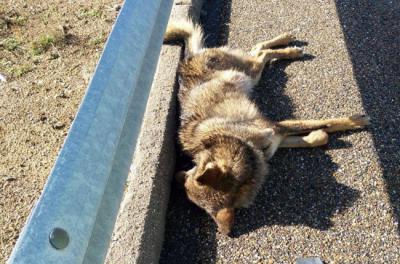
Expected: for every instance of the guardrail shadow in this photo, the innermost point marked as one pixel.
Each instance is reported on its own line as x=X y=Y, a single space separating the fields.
x=215 y=21
x=372 y=34
x=190 y=235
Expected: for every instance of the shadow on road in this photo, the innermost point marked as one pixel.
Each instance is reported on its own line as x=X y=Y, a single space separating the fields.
x=372 y=33
x=300 y=188
x=215 y=21
x=190 y=235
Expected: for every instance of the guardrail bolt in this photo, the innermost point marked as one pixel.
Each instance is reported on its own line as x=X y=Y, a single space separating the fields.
x=59 y=238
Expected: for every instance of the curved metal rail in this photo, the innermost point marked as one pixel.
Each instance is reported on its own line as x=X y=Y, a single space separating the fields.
x=73 y=220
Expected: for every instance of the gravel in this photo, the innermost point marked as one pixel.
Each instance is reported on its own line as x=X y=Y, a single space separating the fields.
x=341 y=202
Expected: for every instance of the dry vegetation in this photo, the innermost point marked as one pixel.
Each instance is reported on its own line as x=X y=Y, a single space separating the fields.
x=48 y=51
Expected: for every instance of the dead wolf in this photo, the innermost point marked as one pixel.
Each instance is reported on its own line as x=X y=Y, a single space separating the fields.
x=223 y=130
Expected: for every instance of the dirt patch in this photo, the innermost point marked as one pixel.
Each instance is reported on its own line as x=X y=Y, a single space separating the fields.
x=48 y=52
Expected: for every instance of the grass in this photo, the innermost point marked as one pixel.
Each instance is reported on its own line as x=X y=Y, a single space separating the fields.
x=90 y=13
x=20 y=70
x=15 y=20
x=18 y=20
x=10 y=44
x=100 y=39
x=4 y=63
x=44 y=42
x=14 y=70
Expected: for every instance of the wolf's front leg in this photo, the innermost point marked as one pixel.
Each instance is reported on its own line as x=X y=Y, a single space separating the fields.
x=264 y=56
x=281 y=40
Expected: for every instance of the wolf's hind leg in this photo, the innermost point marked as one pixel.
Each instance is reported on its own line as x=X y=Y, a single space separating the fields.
x=314 y=139
x=281 y=40
x=293 y=127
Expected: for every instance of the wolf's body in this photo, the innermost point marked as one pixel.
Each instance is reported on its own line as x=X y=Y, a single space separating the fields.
x=224 y=132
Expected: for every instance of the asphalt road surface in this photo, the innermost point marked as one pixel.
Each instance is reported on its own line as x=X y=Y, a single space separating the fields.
x=340 y=202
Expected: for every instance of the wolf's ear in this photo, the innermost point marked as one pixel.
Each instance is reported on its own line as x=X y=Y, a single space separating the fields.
x=210 y=175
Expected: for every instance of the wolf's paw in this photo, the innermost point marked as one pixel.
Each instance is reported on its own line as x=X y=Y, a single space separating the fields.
x=360 y=120
x=295 y=52
x=287 y=37
x=317 y=138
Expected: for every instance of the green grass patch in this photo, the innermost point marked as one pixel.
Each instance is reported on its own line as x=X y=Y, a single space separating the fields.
x=19 y=20
x=20 y=70
x=44 y=42
x=14 y=70
x=5 y=64
x=14 y=20
x=100 y=39
x=10 y=44
x=84 y=13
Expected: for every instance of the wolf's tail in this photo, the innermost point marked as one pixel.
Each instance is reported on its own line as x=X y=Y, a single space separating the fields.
x=188 y=31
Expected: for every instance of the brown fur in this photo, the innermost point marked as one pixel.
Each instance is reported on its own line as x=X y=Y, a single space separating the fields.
x=224 y=132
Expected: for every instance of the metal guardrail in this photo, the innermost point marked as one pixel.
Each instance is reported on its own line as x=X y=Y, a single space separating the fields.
x=73 y=220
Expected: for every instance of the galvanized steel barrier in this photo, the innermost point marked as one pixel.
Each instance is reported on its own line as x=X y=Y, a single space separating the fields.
x=73 y=220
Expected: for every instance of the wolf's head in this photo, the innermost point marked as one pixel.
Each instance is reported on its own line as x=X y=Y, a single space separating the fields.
x=227 y=175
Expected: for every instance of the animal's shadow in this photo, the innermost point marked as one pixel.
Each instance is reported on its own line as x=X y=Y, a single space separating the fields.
x=300 y=188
